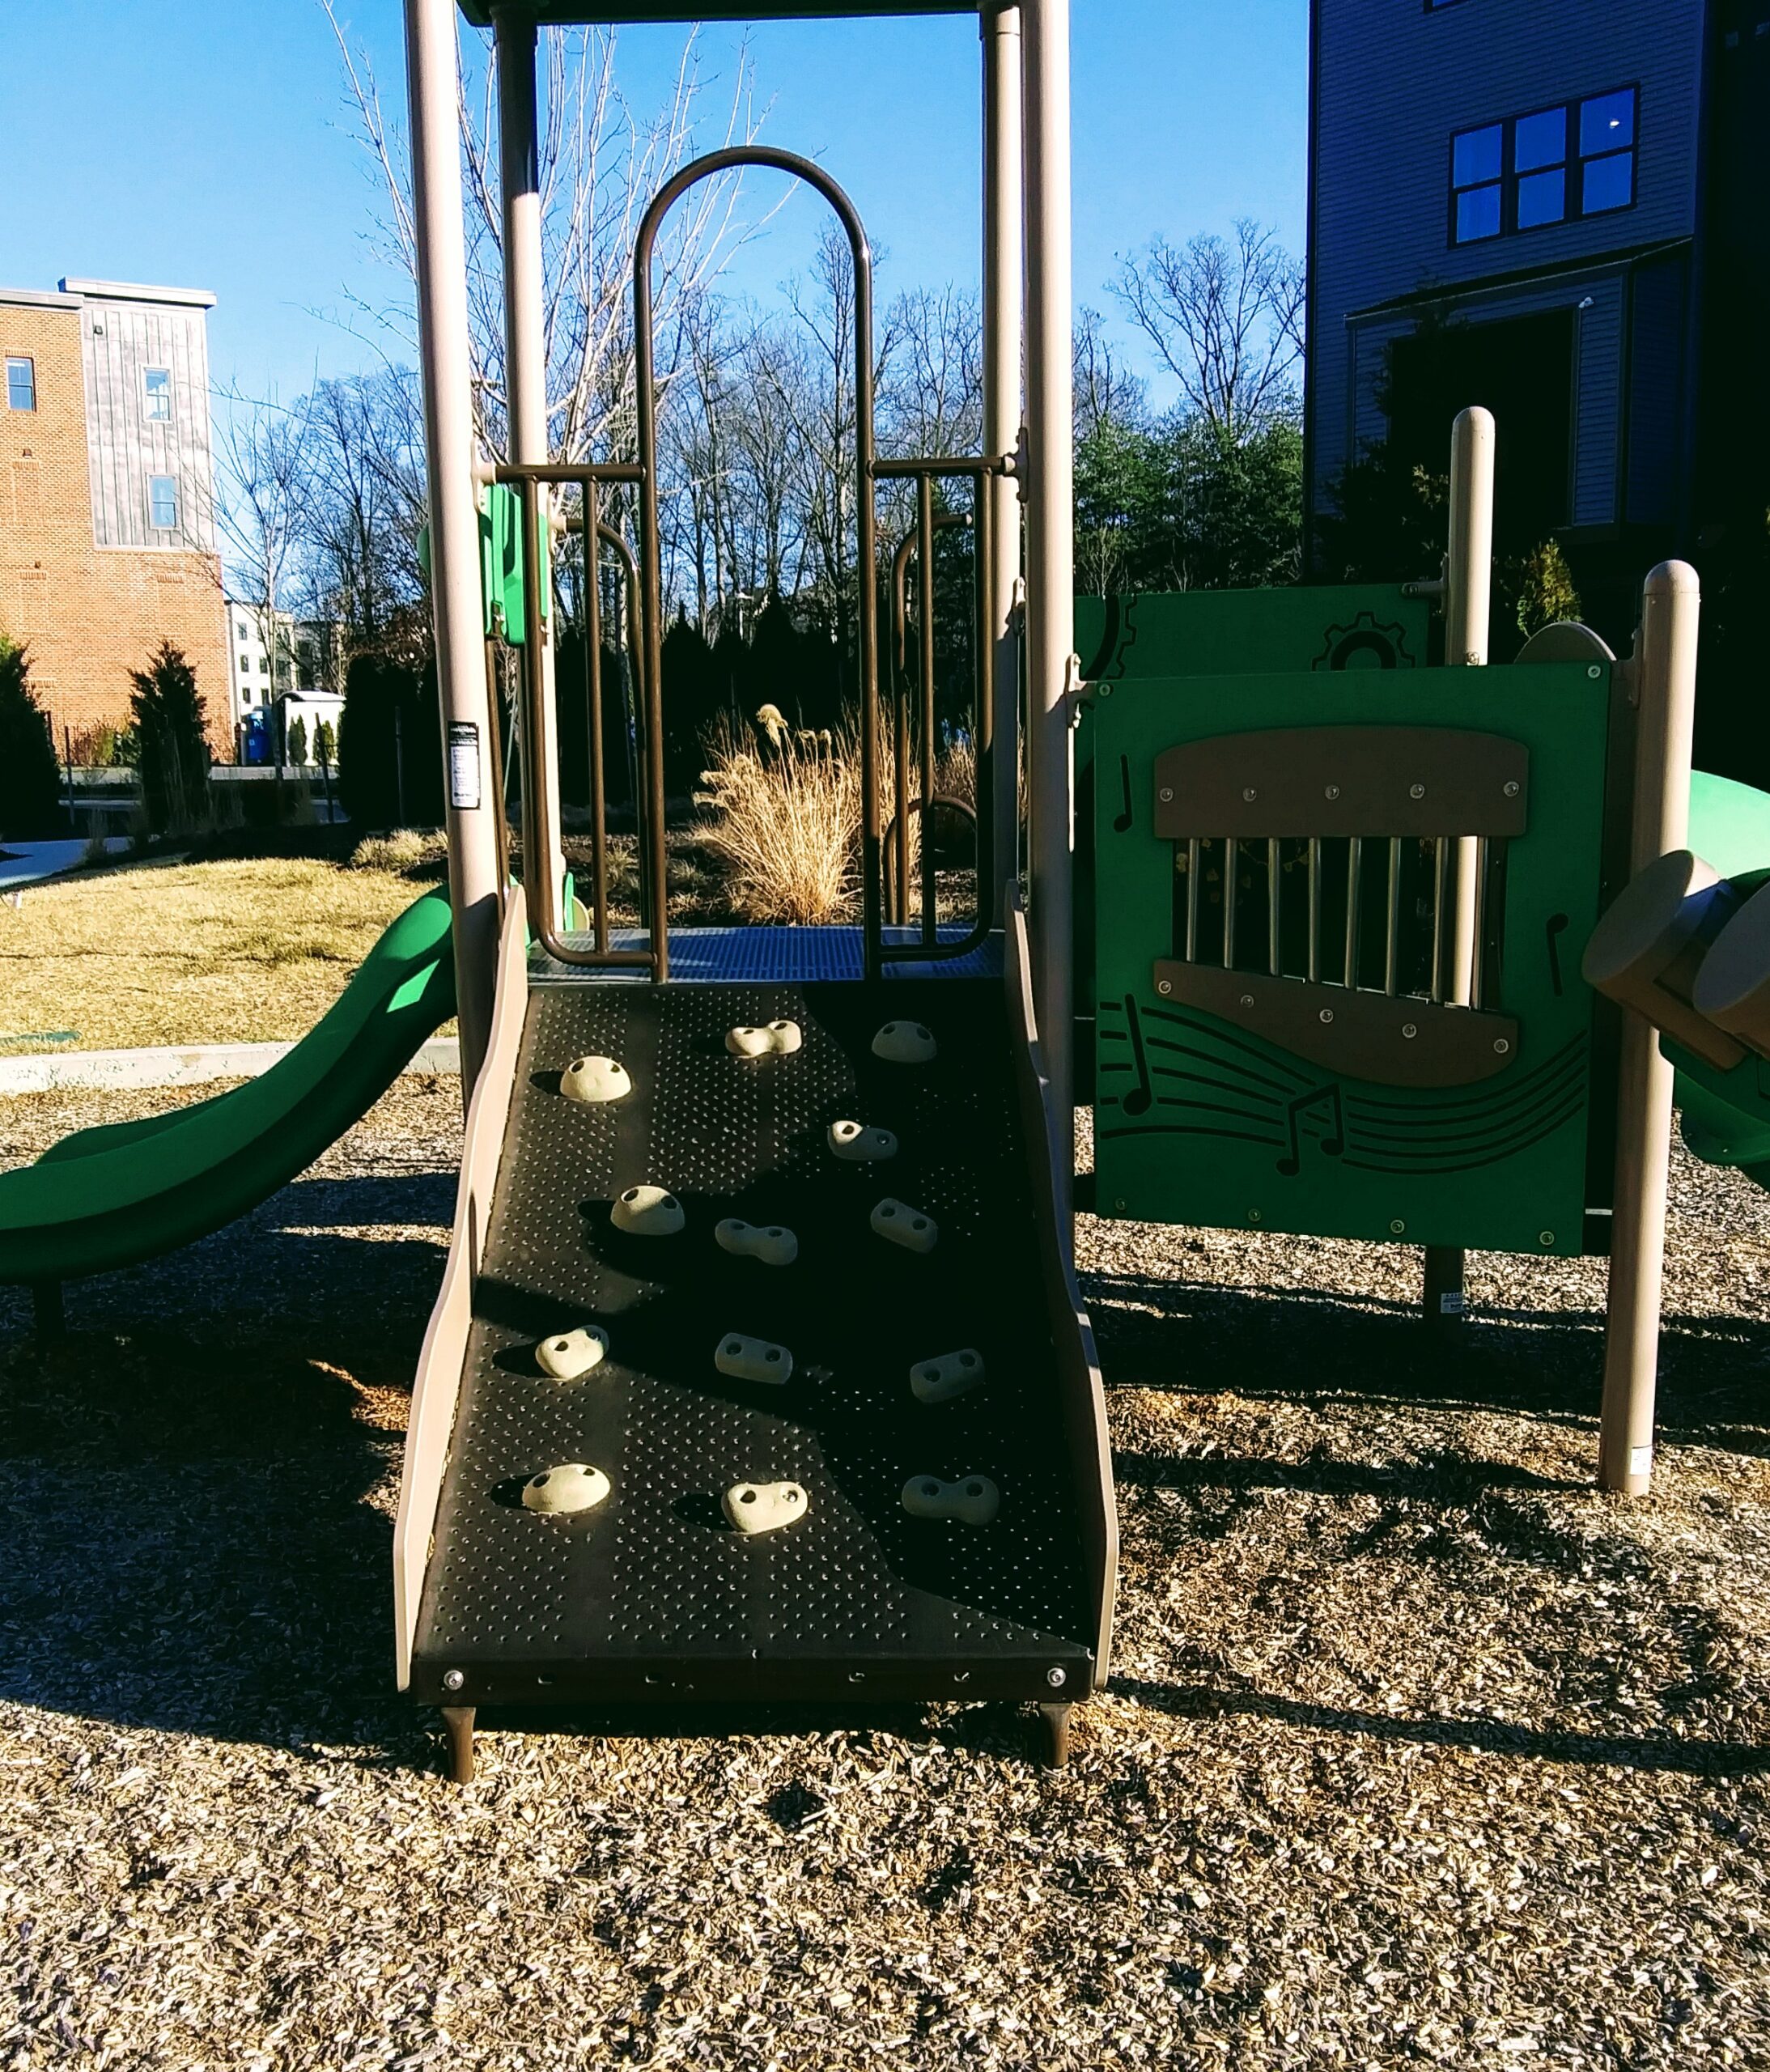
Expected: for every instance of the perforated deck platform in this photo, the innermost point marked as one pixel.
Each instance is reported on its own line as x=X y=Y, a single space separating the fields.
x=651 y=1595
x=774 y=955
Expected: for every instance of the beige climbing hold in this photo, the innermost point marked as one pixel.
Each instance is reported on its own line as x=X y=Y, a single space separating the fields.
x=567 y=1354
x=905 y=1044
x=772 y=1039
x=939 y=1380
x=856 y=1141
x=648 y=1213
x=753 y=1359
x=897 y=1221
x=773 y=1243
x=573 y=1486
x=594 y=1078
x=755 y=1507
x=973 y=1499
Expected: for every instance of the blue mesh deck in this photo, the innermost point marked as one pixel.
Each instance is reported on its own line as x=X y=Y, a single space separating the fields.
x=773 y=955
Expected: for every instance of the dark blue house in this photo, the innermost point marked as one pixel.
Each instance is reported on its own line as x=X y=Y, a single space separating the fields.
x=1560 y=209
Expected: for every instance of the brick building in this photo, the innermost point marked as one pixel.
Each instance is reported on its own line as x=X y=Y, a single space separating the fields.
x=106 y=495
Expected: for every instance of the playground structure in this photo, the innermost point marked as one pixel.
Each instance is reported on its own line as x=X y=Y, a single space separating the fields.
x=1336 y=941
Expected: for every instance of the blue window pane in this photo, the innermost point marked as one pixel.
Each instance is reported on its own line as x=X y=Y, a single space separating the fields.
x=1478 y=214
x=162 y=502
x=1608 y=184
x=21 y=384
x=1475 y=154
x=1540 y=139
x=1542 y=199
x=157 y=388
x=1607 y=123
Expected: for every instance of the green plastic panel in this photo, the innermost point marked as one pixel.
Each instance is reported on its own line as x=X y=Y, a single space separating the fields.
x=1200 y=1121
x=1201 y=632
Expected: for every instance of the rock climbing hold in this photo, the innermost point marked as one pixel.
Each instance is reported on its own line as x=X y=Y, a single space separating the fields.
x=973 y=1500
x=648 y=1212
x=567 y=1354
x=901 y=1224
x=755 y=1507
x=905 y=1044
x=573 y=1486
x=940 y=1380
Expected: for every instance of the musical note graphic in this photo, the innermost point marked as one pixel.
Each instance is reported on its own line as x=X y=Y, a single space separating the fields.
x=1137 y=1102
x=1305 y=1105
x=1122 y=821
x=1556 y=924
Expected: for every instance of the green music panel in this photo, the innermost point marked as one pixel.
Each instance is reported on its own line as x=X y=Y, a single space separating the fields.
x=1275 y=916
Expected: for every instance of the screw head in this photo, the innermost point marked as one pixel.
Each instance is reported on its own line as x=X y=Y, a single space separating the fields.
x=1167 y=794
x=1396 y=1227
x=1416 y=791
x=1106 y=690
x=1594 y=670
x=1331 y=792
x=1247 y=999
x=1511 y=788
x=1327 y=1014
x=1119 y=1203
x=453 y=1679
x=1410 y=1030
x=1057 y=1677
x=1255 y=1216
x=1248 y=796
x=1545 y=1237
x=1164 y=985
x=1501 y=1046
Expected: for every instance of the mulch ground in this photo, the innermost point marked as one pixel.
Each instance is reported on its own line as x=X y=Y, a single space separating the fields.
x=1418 y=1751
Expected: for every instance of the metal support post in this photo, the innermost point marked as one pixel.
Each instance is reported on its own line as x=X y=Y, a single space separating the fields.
x=1004 y=210
x=1050 y=573
x=445 y=358
x=525 y=355
x=1665 y=691
x=1468 y=587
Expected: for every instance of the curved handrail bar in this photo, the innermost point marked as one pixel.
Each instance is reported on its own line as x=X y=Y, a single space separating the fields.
x=732 y=158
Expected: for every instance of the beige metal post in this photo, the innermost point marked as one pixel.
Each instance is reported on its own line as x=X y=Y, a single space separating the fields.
x=1050 y=573
x=1468 y=592
x=445 y=358
x=525 y=345
x=1003 y=207
x=1665 y=690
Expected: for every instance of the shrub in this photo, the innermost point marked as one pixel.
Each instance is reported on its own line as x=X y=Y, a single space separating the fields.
x=1546 y=590
x=171 y=727
x=325 y=745
x=787 y=828
x=390 y=748
x=297 y=743
x=30 y=777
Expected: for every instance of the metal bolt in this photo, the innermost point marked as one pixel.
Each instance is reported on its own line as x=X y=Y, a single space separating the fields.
x=1332 y=791
x=1410 y=1030
x=1511 y=788
x=1594 y=670
x=1502 y=1046
x=1167 y=794
x=1120 y=1203
x=1247 y=999
x=1416 y=791
x=1397 y=1227
x=1545 y=1237
x=453 y=1679
x=1057 y=1677
x=1164 y=985
x=1327 y=1014
x=1248 y=796
x=1106 y=690
x=1254 y=1216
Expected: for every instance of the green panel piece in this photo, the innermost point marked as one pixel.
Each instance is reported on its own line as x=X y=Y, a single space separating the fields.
x=1195 y=633
x=1200 y=1119
x=500 y=564
x=1730 y=825
x=125 y=1191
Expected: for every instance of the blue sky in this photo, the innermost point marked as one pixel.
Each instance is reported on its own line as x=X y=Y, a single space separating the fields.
x=207 y=144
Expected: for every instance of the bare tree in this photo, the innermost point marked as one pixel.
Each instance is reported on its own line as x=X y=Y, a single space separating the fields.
x=264 y=499
x=1227 y=321
x=360 y=566
x=1107 y=394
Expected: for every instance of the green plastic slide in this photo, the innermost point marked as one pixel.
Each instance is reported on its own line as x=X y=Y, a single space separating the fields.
x=127 y=1191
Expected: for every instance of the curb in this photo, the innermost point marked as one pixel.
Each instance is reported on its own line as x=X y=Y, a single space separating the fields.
x=180 y=1065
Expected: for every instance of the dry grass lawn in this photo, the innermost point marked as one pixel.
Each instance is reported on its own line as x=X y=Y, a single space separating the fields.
x=174 y=952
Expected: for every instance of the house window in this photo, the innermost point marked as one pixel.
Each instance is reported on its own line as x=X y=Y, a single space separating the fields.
x=1541 y=168
x=162 y=503
x=21 y=384
x=157 y=394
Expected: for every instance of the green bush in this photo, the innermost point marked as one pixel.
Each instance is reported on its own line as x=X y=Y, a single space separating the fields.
x=30 y=777
x=170 y=728
x=1545 y=589
x=389 y=706
x=297 y=743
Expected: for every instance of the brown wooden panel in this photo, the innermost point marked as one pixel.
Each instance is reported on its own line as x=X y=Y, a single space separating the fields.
x=1389 y=1041
x=1344 y=780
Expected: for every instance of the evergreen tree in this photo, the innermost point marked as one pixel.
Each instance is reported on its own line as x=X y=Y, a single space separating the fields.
x=298 y=742
x=30 y=777
x=171 y=727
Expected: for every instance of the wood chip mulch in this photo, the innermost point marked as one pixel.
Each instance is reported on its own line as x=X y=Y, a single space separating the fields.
x=1419 y=1752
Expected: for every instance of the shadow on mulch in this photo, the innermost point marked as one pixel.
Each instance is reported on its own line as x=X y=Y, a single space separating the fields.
x=1284 y=1343
x=1489 y=1736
